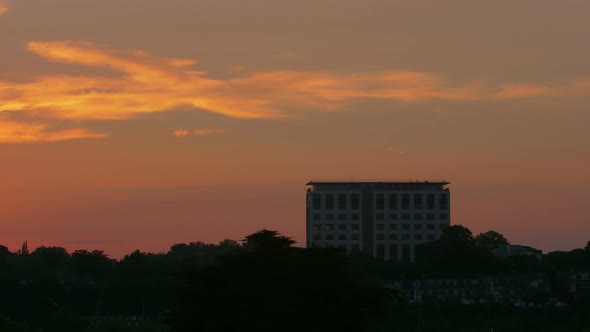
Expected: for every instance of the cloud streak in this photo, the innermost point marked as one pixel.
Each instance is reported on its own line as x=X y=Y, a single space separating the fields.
x=3 y=8
x=146 y=83
x=18 y=132
x=208 y=131
x=180 y=133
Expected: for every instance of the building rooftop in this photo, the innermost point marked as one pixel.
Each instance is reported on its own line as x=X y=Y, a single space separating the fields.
x=388 y=185
x=364 y=182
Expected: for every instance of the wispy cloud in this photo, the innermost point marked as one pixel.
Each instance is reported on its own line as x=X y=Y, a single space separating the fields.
x=198 y=132
x=208 y=131
x=18 y=132
x=181 y=133
x=576 y=87
x=3 y=8
x=147 y=83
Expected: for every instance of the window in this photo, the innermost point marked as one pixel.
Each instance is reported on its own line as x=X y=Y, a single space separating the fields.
x=342 y=201
x=406 y=227
x=393 y=237
x=354 y=201
x=393 y=251
x=355 y=237
x=355 y=227
x=342 y=237
x=341 y=217
x=405 y=201
x=317 y=216
x=417 y=236
x=443 y=216
x=380 y=237
x=430 y=226
x=380 y=251
x=354 y=216
x=380 y=227
x=355 y=248
x=329 y=216
x=392 y=216
x=418 y=201
x=317 y=237
x=342 y=227
x=442 y=226
x=405 y=237
x=430 y=201
x=393 y=227
x=430 y=237
x=418 y=226
x=316 y=201
x=430 y=216
x=406 y=216
x=380 y=201
x=316 y=227
x=417 y=216
x=330 y=237
x=329 y=201
x=443 y=202
x=392 y=198
x=380 y=216
x=329 y=227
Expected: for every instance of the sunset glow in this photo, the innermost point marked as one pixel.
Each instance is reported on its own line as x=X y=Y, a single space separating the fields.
x=186 y=120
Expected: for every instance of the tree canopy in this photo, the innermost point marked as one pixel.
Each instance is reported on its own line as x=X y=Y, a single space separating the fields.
x=273 y=286
x=490 y=240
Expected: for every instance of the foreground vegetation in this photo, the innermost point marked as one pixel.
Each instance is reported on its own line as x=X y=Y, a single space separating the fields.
x=267 y=284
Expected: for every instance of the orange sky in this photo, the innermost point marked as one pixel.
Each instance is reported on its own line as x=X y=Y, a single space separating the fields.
x=143 y=123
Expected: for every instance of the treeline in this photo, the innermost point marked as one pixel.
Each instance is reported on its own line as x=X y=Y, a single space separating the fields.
x=459 y=253
x=265 y=283
x=52 y=289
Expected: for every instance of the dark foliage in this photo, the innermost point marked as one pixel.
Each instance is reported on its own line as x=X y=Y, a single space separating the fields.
x=267 y=284
x=273 y=286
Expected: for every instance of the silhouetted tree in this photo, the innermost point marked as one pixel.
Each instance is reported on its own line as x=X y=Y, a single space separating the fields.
x=4 y=253
x=24 y=250
x=272 y=286
x=266 y=241
x=455 y=253
x=51 y=257
x=490 y=240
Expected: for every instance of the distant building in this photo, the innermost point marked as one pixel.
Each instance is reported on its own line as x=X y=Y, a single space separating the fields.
x=516 y=250
x=383 y=219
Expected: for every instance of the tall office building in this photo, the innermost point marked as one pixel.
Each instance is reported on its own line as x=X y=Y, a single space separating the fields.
x=383 y=219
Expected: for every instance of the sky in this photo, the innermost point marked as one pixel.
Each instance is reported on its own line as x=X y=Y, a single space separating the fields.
x=138 y=124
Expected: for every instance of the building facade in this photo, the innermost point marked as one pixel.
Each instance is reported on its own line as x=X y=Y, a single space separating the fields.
x=383 y=219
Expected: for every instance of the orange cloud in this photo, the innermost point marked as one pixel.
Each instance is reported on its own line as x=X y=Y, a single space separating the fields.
x=16 y=132
x=180 y=133
x=197 y=132
x=147 y=83
x=209 y=131
x=3 y=8
x=510 y=91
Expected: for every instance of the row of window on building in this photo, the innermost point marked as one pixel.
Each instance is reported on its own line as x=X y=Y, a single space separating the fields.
x=383 y=201
x=378 y=227
x=378 y=237
x=396 y=252
x=381 y=216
